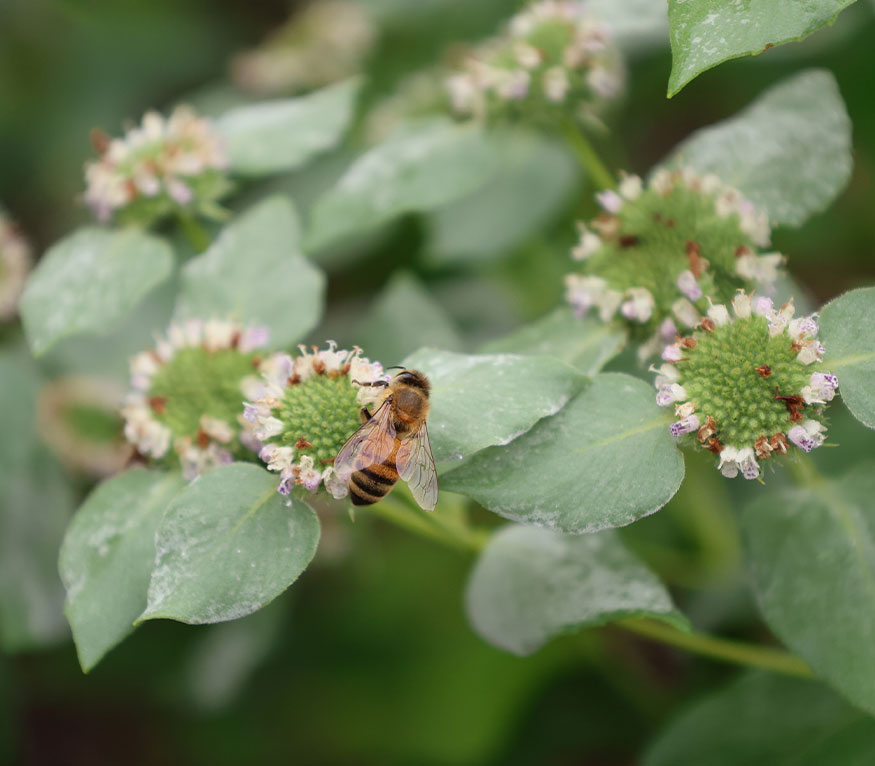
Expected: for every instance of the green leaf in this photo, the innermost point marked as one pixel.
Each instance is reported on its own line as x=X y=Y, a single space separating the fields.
x=20 y=384
x=765 y=719
x=811 y=556
x=846 y=331
x=418 y=168
x=534 y=181
x=255 y=272
x=605 y=460
x=274 y=136
x=634 y=23
x=228 y=545
x=584 y=343
x=705 y=33
x=482 y=400
x=789 y=152
x=404 y=318
x=89 y=281
x=531 y=585
x=107 y=555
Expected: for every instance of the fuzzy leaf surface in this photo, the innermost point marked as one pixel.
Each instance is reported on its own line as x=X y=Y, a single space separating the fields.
x=604 y=460
x=228 y=545
x=705 y=33
x=275 y=136
x=846 y=331
x=89 y=281
x=480 y=400
x=789 y=151
x=530 y=585
x=811 y=557
x=255 y=272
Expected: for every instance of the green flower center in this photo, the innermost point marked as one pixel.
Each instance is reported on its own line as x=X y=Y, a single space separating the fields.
x=733 y=374
x=322 y=411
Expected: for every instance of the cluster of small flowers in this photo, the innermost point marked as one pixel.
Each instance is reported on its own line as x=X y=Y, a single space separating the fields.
x=298 y=423
x=553 y=52
x=15 y=263
x=610 y=288
x=179 y=161
x=211 y=444
x=325 y=42
x=728 y=390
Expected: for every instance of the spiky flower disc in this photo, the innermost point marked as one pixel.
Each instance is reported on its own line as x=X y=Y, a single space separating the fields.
x=162 y=166
x=187 y=393
x=749 y=386
x=15 y=263
x=305 y=409
x=553 y=56
x=660 y=251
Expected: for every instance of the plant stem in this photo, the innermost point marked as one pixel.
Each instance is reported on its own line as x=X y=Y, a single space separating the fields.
x=194 y=233
x=752 y=655
x=589 y=160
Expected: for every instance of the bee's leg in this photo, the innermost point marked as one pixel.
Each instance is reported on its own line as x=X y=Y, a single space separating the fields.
x=365 y=415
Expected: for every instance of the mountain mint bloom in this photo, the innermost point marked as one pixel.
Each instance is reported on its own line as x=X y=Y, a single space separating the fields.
x=15 y=262
x=658 y=253
x=747 y=384
x=552 y=56
x=303 y=410
x=157 y=168
x=324 y=42
x=187 y=392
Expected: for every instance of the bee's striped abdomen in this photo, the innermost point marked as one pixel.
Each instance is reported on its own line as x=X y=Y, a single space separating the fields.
x=371 y=484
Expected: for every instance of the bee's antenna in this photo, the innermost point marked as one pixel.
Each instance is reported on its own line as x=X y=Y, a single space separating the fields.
x=396 y=367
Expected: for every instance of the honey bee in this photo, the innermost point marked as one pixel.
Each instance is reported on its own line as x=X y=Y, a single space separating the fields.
x=391 y=444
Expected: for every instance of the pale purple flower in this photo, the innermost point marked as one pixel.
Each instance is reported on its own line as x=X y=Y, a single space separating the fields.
x=807 y=435
x=687 y=425
x=610 y=201
x=688 y=285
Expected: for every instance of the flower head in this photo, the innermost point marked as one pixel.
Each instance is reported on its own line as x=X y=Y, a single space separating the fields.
x=660 y=252
x=158 y=167
x=553 y=55
x=187 y=391
x=15 y=262
x=304 y=409
x=322 y=43
x=747 y=385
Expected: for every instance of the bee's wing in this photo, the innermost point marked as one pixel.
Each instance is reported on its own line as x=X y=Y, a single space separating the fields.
x=368 y=446
x=415 y=465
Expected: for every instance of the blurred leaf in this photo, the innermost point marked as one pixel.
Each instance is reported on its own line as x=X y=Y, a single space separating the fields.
x=765 y=719
x=418 y=168
x=273 y=136
x=705 y=33
x=107 y=555
x=90 y=281
x=227 y=546
x=404 y=318
x=605 y=460
x=536 y=176
x=789 y=152
x=846 y=331
x=255 y=272
x=481 y=400
x=635 y=23
x=18 y=392
x=584 y=343
x=530 y=585
x=811 y=556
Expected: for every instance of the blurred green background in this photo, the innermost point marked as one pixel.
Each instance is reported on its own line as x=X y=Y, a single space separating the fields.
x=369 y=659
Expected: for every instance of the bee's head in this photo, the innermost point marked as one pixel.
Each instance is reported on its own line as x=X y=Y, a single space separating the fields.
x=413 y=378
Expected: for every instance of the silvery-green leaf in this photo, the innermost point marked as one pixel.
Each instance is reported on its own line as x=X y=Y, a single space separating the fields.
x=418 y=168
x=604 y=460
x=227 y=546
x=766 y=719
x=584 y=343
x=90 y=281
x=273 y=136
x=846 y=331
x=478 y=400
x=811 y=557
x=107 y=555
x=705 y=33
x=789 y=152
x=530 y=585
x=255 y=273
